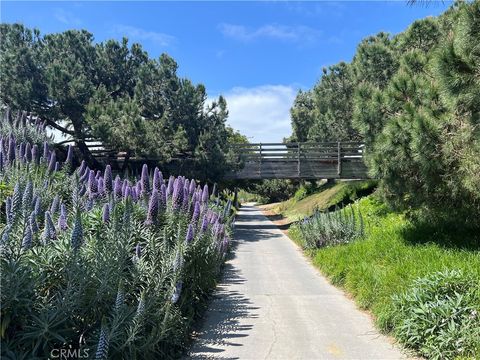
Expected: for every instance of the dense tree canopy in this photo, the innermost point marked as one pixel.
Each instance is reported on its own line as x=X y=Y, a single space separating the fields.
x=113 y=92
x=414 y=99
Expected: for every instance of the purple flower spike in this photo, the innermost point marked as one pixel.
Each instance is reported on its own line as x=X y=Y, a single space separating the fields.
x=27 y=239
x=62 y=219
x=196 y=212
x=82 y=167
x=178 y=263
x=117 y=188
x=204 y=226
x=106 y=213
x=138 y=251
x=49 y=232
x=33 y=223
x=171 y=180
x=128 y=193
x=69 y=159
x=28 y=152
x=163 y=195
x=55 y=203
x=11 y=149
x=35 y=153
x=157 y=179
x=190 y=234
x=38 y=205
x=145 y=180
x=124 y=186
x=46 y=151
x=57 y=166
x=100 y=186
x=134 y=194
x=191 y=189
x=21 y=150
x=185 y=198
x=177 y=292
x=76 y=239
x=177 y=193
x=153 y=207
x=1 y=159
x=213 y=218
x=92 y=185
x=205 y=194
x=108 y=179
x=52 y=162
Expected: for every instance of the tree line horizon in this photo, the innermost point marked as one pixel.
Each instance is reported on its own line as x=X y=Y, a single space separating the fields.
x=413 y=98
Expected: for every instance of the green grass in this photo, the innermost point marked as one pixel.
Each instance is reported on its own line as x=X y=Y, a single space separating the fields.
x=328 y=197
x=393 y=254
x=388 y=262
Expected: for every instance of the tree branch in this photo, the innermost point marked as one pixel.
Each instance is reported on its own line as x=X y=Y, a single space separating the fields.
x=58 y=127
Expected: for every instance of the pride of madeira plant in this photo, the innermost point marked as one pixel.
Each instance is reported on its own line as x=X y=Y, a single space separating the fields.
x=332 y=228
x=114 y=268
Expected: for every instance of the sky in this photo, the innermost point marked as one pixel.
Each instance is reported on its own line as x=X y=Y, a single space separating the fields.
x=256 y=54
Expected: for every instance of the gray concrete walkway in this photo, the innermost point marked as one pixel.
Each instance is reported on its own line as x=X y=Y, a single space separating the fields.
x=272 y=304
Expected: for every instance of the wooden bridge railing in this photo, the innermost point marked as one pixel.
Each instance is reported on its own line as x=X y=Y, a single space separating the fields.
x=300 y=160
x=303 y=160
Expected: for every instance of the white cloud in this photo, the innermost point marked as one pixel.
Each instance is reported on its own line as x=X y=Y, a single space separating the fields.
x=303 y=34
x=261 y=113
x=66 y=17
x=137 y=34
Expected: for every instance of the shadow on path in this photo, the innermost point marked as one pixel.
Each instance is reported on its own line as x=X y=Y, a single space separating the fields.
x=222 y=326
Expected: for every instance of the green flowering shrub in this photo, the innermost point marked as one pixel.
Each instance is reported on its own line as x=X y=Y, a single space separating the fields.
x=331 y=228
x=439 y=316
x=114 y=268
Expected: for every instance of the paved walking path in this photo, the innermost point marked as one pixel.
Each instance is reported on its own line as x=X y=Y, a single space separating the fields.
x=272 y=304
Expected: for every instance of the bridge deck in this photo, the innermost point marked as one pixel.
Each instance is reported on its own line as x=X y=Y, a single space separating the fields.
x=334 y=160
x=307 y=160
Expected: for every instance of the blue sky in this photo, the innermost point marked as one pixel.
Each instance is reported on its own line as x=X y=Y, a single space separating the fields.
x=257 y=54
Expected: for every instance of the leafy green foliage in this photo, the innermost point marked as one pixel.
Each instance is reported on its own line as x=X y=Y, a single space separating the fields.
x=273 y=190
x=385 y=265
x=325 y=112
x=439 y=315
x=314 y=197
x=115 y=93
x=413 y=98
x=112 y=273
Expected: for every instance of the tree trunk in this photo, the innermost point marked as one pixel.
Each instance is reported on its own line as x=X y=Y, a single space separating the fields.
x=125 y=161
x=87 y=155
x=82 y=147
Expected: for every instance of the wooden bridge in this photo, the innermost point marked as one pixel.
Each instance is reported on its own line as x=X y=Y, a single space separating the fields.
x=304 y=160
x=307 y=160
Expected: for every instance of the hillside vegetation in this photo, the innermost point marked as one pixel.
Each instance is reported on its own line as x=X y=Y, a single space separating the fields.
x=328 y=196
x=421 y=282
x=410 y=252
x=413 y=98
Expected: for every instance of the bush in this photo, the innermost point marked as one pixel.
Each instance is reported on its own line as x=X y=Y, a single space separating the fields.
x=332 y=228
x=439 y=316
x=114 y=268
x=304 y=190
x=274 y=190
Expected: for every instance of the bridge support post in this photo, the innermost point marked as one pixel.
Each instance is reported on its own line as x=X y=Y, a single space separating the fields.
x=235 y=198
x=298 y=161
x=260 y=162
x=339 y=158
